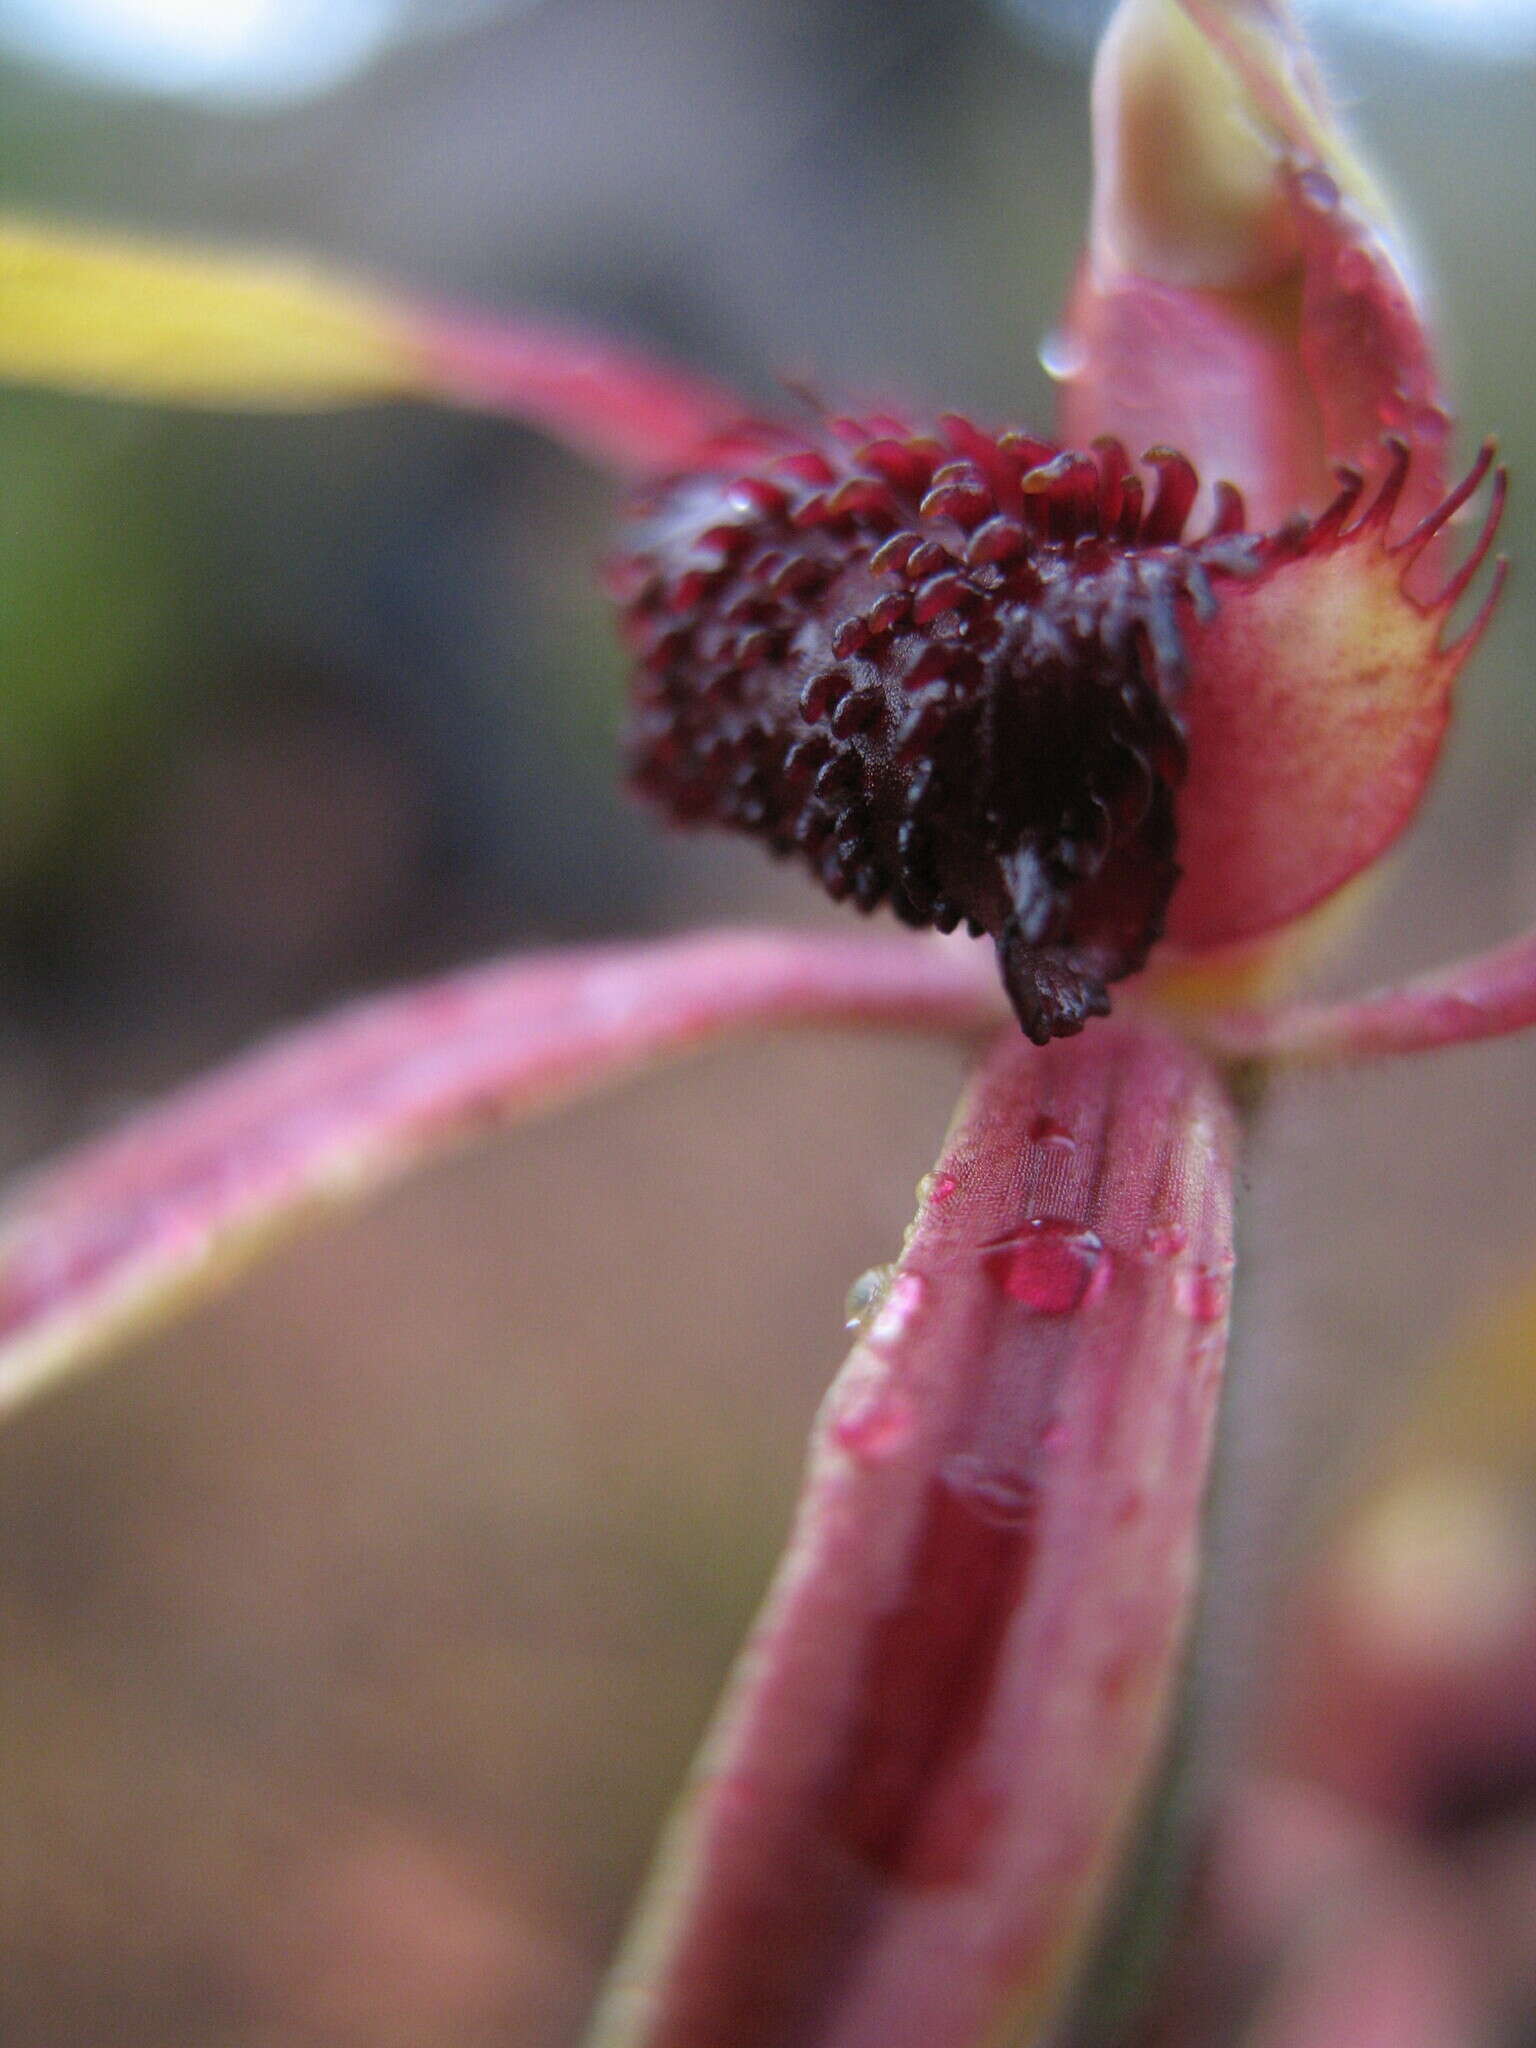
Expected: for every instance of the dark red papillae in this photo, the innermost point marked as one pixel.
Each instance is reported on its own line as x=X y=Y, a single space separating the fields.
x=919 y=1786
x=112 y=1234
x=940 y=666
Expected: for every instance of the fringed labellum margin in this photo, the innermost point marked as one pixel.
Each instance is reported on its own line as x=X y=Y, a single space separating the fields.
x=986 y=679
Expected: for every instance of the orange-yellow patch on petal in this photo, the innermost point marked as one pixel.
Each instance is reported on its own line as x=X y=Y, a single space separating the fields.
x=1319 y=693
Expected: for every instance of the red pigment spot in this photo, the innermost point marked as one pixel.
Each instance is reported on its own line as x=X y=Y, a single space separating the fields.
x=1203 y=1293
x=1046 y=1131
x=1115 y=1679
x=1052 y=1266
x=944 y=1185
x=898 y=1798
x=1165 y=1240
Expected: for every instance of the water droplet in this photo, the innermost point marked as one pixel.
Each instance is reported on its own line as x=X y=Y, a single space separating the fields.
x=903 y=1298
x=1061 y=358
x=1046 y=1131
x=864 y=1297
x=995 y=1493
x=1165 y=1240
x=1203 y=1293
x=1052 y=1266
x=1317 y=188
x=936 y=1187
x=876 y=1423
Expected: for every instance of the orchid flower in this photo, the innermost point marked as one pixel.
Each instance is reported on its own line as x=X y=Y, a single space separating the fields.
x=1139 y=703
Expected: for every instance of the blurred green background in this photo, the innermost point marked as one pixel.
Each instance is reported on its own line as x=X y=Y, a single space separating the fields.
x=355 y=1635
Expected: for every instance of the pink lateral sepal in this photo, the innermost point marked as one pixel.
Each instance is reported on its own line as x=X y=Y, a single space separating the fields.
x=1488 y=996
x=923 y=1776
x=117 y=1233
x=615 y=405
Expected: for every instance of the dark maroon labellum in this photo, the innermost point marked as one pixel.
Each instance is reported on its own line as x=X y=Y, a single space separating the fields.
x=942 y=668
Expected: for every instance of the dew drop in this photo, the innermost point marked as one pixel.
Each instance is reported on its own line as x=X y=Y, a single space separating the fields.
x=875 y=1424
x=1052 y=1266
x=1046 y=1131
x=864 y=1298
x=1203 y=1293
x=936 y=1187
x=902 y=1300
x=1061 y=358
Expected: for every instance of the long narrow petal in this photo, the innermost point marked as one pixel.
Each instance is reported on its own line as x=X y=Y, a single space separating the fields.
x=615 y=405
x=120 y=1232
x=114 y=314
x=903 y=1824
x=1488 y=996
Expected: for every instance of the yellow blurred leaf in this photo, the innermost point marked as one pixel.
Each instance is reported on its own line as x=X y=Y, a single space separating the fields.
x=102 y=313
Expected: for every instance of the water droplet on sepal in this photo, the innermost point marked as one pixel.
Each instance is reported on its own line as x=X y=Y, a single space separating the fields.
x=876 y=1423
x=892 y=1318
x=864 y=1299
x=1061 y=357
x=1051 y=1266
x=1203 y=1293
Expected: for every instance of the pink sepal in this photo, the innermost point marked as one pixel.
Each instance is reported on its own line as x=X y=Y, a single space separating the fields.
x=1487 y=996
x=115 y=1233
x=904 y=1823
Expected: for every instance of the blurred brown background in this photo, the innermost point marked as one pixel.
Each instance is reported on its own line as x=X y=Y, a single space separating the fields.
x=355 y=1635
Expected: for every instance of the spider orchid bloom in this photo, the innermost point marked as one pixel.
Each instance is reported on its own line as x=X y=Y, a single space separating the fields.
x=1170 y=682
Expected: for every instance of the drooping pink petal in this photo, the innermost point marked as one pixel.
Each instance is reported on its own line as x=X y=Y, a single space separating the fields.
x=1488 y=996
x=129 y=316
x=1243 y=296
x=118 y=1232
x=616 y=405
x=920 y=1783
